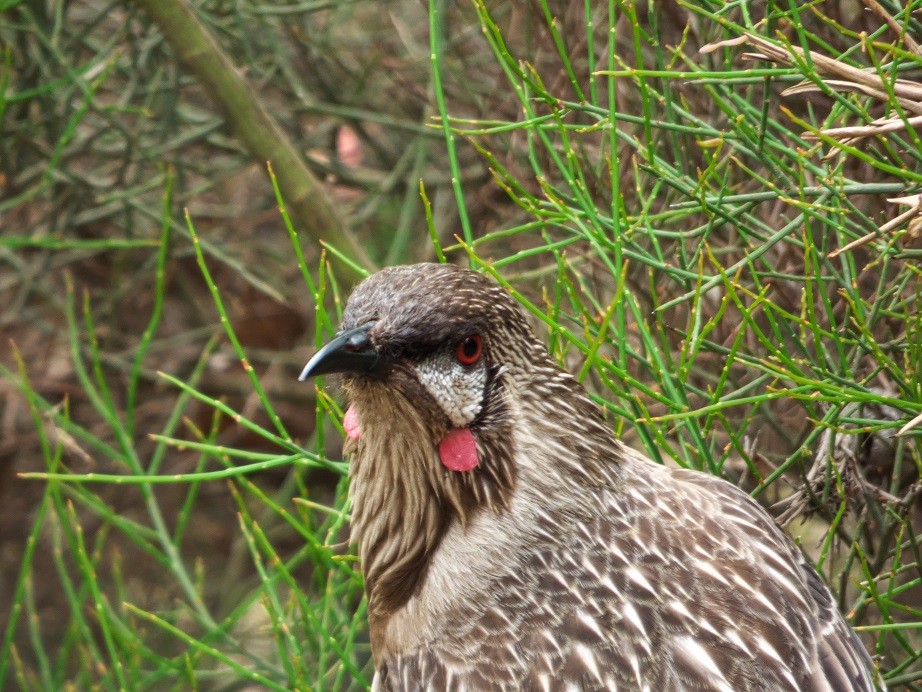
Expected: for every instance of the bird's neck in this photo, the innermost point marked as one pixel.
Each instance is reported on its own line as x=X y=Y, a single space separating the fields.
x=405 y=502
x=404 y=499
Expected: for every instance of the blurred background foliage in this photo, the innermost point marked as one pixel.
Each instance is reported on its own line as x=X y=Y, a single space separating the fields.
x=667 y=186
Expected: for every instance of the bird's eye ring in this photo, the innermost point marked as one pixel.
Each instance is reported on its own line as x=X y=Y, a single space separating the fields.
x=469 y=349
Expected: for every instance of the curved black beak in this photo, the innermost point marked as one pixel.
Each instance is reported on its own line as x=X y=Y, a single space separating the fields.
x=348 y=351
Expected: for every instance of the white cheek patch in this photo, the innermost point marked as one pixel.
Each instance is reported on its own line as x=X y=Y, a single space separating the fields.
x=456 y=389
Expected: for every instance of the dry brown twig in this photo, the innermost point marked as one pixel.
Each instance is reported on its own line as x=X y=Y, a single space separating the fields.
x=915 y=201
x=895 y=27
x=906 y=92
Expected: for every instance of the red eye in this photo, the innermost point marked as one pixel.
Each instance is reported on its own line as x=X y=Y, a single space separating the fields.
x=469 y=350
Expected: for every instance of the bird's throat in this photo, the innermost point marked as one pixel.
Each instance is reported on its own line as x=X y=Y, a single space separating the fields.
x=457 y=450
x=398 y=519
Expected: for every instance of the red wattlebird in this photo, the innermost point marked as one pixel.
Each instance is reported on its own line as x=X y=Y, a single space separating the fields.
x=509 y=542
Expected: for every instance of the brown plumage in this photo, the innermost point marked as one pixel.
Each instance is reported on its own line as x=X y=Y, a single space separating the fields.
x=509 y=542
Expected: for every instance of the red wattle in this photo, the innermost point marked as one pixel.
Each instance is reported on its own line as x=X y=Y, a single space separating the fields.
x=351 y=423
x=458 y=450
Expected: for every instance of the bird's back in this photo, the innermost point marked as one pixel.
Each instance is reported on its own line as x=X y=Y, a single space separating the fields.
x=663 y=580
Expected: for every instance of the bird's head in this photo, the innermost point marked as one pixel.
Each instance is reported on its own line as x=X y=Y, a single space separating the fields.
x=446 y=381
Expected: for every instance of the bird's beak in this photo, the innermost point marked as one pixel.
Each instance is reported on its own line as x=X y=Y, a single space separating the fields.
x=348 y=351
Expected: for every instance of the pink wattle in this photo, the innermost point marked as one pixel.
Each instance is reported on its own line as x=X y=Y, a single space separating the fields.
x=351 y=423
x=458 y=450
